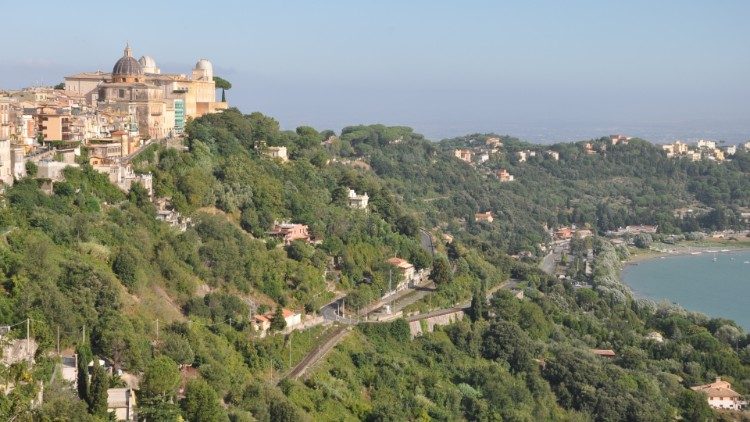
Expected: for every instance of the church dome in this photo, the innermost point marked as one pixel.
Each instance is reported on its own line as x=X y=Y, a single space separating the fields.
x=204 y=64
x=148 y=64
x=147 y=61
x=127 y=65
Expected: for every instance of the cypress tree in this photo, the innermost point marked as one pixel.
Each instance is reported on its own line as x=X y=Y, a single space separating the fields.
x=98 y=391
x=84 y=357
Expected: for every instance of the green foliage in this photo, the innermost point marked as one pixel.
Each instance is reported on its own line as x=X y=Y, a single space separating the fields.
x=31 y=168
x=278 y=322
x=97 y=398
x=201 y=403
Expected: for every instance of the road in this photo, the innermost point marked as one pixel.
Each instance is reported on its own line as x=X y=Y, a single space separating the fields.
x=405 y=298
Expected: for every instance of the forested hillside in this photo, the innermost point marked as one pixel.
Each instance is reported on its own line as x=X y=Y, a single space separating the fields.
x=174 y=308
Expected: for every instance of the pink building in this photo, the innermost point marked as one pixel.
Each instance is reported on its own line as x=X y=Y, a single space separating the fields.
x=290 y=232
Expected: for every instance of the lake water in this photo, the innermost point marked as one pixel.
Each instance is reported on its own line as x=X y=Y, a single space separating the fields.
x=718 y=288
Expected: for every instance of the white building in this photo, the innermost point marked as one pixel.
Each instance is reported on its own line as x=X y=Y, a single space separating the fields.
x=278 y=152
x=731 y=150
x=6 y=163
x=720 y=395
x=706 y=144
x=358 y=201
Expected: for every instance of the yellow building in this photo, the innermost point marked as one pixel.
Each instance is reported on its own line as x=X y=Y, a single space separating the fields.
x=158 y=104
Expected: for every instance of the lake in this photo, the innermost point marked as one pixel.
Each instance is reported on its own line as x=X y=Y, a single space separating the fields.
x=718 y=288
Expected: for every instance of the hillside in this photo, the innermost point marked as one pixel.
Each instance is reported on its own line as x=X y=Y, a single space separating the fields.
x=97 y=265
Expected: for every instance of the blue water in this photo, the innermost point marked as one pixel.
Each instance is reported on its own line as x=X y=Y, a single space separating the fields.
x=697 y=283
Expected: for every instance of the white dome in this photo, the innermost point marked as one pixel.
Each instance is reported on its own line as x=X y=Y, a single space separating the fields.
x=148 y=64
x=147 y=61
x=204 y=64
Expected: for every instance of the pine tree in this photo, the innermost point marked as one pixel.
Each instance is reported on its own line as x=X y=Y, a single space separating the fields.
x=98 y=391
x=278 y=323
x=84 y=357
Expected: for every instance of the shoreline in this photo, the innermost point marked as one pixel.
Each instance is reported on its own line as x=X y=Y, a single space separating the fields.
x=683 y=250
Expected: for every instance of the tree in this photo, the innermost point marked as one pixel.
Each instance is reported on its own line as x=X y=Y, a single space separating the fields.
x=222 y=84
x=160 y=379
x=84 y=357
x=441 y=271
x=31 y=168
x=201 y=403
x=477 y=303
x=125 y=266
x=278 y=323
x=158 y=387
x=643 y=240
x=98 y=390
x=59 y=86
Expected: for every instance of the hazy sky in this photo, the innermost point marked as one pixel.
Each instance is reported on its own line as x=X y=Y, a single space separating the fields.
x=541 y=70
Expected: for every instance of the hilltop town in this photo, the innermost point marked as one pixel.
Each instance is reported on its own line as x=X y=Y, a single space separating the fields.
x=103 y=118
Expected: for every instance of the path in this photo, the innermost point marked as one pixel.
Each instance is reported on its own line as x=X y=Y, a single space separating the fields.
x=331 y=340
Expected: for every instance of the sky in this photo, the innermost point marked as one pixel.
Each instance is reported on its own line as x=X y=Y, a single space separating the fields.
x=544 y=70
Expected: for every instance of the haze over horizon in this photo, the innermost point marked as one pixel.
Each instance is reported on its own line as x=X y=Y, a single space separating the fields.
x=544 y=72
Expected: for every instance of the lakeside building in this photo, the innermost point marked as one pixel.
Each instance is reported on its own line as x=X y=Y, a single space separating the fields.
x=720 y=395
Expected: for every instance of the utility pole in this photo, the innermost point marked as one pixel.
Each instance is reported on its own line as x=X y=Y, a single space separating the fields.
x=58 y=340
x=83 y=334
x=157 y=330
x=290 y=350
x=28 y=330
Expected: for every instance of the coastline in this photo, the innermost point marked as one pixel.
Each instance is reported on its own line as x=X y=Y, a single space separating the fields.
x=682 y=249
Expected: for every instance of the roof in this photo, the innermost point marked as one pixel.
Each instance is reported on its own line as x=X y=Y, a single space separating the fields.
x=127 y=65
x=400 y=263
x=717 y=388
x=603 y=352
x=288 y=313
x=117 y=397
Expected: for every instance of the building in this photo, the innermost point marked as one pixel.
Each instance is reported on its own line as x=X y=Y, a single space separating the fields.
x=405 y=271
x=563 y=233
x=720 y=395
x=121 y=402
x=504 y=176
x=484 y=217
x=706 y=144
x=484 y=157
x=157 y=104
x=493 y=142
x=291 y=318
x=289 y=232
x=6 y=163
x=358 y=201
x=261 y=323
x=617 y=139
x=124 y=176
x=277 y=152
x=52 y=170
x=607 y=353
x=553 y=155
x=731 y=150
x=463 y=155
